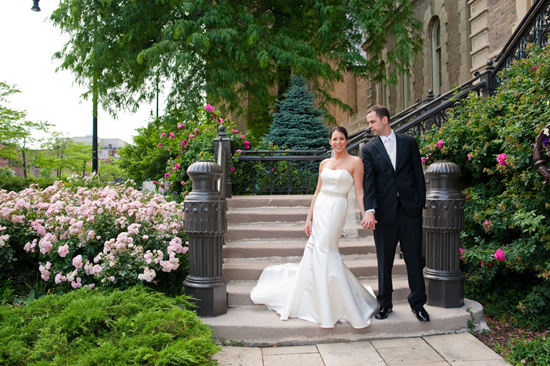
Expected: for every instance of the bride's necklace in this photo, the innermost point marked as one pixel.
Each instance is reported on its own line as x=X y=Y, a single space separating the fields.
x=337 y=161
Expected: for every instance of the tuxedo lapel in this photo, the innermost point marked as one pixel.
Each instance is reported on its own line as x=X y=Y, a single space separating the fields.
x=400 y=141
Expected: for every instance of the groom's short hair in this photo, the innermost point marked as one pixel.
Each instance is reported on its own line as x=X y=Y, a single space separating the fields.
x=380 y=110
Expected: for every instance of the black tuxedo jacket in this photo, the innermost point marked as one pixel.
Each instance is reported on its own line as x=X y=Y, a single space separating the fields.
x=385 y=186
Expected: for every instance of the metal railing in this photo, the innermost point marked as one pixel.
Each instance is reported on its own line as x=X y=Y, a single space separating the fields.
x=278 y=172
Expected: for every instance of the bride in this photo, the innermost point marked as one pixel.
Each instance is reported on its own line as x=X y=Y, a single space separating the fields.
x=321 y=288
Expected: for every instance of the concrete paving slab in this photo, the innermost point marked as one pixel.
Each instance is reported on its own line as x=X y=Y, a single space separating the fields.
x=398 y=343
x=289 y=350
x=309 y=359
x=500 y=362
x=421 y=354
x=346 y=354
x=239 y=356
x=463 y=347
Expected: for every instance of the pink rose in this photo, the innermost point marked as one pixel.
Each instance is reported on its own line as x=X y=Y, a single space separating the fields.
x=63 y=250
x=172 y=135
x=235 y=131
x=469 y=156
x=77 y=261
x=183 y=142
x=166 y=175
x=440 y=144
x=191 y=136
x=500 y=255
x=243 y=137
x=162 y=135
x=208 y=108
x=501 y=159
x=232 y=169
x=160 y=144
x=180 y=126
x=487 y=225
x=221 y=121
x=423 y=160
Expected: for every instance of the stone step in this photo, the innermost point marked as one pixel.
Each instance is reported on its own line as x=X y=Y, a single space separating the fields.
x=257 y=326
x=279 y=230
x=245 y=269
x=269 y=201
x=238 y=292
x=266 y=215
x=290 y=247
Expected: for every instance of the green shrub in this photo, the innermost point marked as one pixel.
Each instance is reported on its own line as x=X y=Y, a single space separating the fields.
x=16 y=184
x=89 y=327
x=506 y=238
x=535 y=352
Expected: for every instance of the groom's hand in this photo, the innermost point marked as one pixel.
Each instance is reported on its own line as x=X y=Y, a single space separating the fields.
x=368 y=221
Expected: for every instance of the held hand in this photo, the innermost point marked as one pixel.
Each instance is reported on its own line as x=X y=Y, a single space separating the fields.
x=368 y=221
x=307 y=227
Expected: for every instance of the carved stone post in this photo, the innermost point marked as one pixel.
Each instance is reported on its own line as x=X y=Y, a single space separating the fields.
x=223 y=157
x=204 y=222
x=443 y=219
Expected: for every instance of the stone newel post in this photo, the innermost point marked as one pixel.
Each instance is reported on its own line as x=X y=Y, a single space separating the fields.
x=443 y=219
x=204 y=222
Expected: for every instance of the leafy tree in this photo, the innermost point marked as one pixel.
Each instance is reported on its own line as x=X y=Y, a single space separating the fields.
x=143 y=160
x=231 y=51
x=17 y=134
x=298 y=124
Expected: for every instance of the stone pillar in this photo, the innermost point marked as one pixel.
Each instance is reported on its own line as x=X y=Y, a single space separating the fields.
x=204 y=222
x=443 y=219
x=223 y=157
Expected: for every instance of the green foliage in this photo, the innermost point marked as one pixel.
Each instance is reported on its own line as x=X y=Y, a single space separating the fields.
x=17 y=184
x=507 y=206
x=85 y=327
x=6 y=173
x=534 y=352
x=231 y=51
x=298 y=125
x=174 y=142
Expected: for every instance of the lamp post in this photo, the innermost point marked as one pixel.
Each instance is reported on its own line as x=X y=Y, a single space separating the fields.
x=35 y=6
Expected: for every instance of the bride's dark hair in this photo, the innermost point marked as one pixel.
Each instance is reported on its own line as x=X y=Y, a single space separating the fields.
x=339 y=129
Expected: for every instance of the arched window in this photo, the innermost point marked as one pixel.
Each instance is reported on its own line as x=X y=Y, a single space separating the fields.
x=436 y=57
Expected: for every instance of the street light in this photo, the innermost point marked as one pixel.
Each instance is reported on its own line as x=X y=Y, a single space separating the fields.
x=35 y=6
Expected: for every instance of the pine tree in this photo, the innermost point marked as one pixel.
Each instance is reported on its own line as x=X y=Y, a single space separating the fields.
x=298 y=125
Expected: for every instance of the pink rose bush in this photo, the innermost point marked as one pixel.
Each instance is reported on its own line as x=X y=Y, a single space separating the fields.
x=112 y=236
x=193 y=141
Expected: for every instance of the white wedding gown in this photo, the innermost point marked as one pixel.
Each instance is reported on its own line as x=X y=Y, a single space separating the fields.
x=320 y=288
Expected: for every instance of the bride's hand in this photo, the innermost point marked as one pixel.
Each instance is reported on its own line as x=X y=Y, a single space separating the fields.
x=307 y=227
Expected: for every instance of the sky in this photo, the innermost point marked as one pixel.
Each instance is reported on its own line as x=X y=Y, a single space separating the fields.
x=28 y=41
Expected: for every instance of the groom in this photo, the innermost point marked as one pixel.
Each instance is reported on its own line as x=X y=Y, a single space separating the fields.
x=394 y=196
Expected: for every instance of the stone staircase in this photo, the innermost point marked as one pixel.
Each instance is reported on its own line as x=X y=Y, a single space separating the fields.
x=265 y=230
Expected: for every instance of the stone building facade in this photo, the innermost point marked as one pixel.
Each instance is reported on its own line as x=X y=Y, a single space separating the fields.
x=459 y=37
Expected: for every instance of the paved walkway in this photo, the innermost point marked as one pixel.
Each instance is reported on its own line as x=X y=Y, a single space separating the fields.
x=461 y=349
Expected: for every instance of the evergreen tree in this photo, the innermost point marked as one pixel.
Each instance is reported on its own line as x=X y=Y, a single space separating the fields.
x=298 y=125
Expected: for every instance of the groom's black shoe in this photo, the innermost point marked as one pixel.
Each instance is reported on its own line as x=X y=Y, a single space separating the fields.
x=382 y=313
x=422 y=314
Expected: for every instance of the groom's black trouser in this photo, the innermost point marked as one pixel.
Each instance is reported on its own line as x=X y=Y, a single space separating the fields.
x=408 y=231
